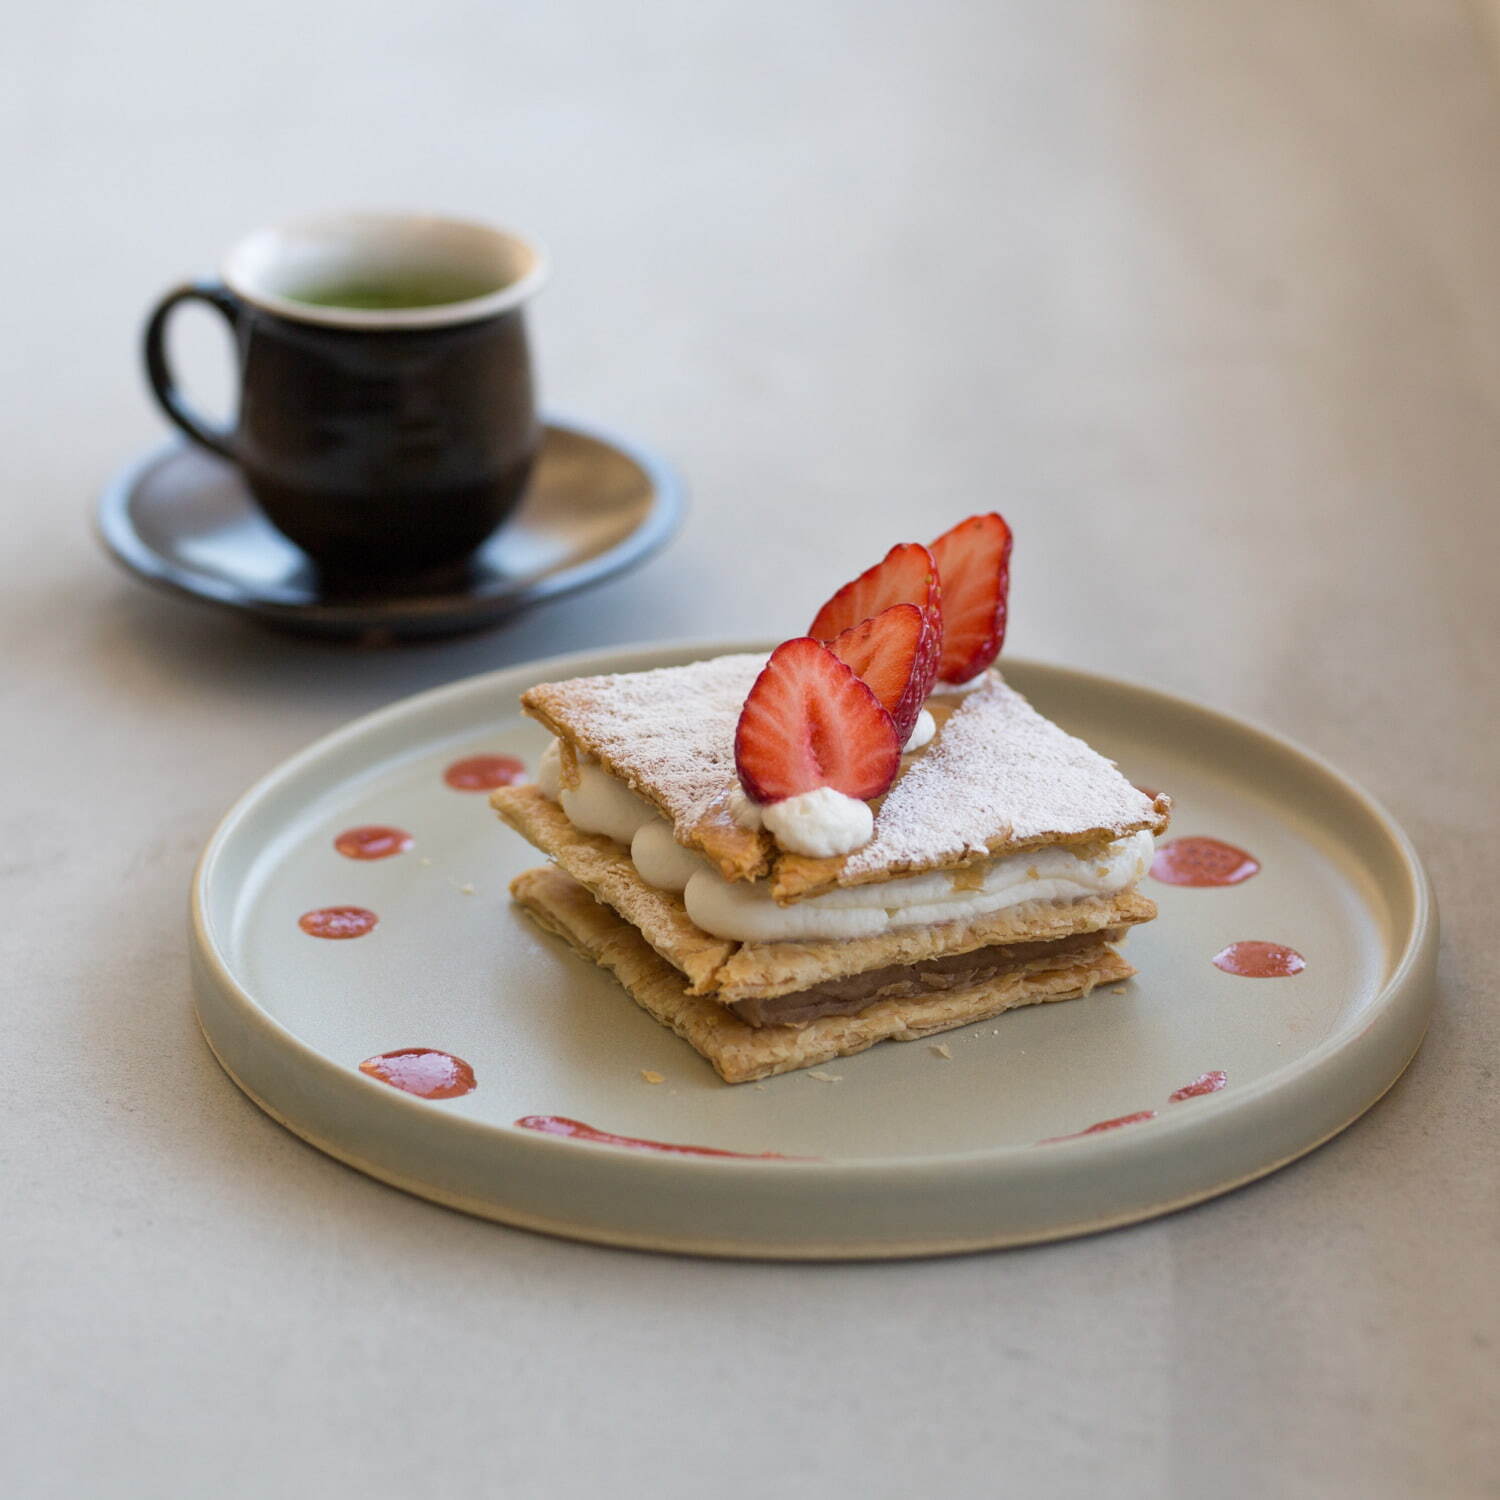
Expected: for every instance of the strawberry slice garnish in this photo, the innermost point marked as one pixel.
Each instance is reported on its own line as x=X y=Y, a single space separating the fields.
x=896 y=655
x=973 y=561
x=907 y=574
x=810 y=722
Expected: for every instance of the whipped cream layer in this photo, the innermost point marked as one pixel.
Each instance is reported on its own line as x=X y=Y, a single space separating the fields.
x=743 y=911
x=747 y=913
x=661 y=861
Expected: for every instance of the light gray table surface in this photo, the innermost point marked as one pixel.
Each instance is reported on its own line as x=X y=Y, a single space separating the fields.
x=1205 y=296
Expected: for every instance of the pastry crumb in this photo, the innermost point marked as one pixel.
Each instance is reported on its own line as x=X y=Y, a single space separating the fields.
x=652 y=1076
x=760 y=1088
x=423 y=860
x=823 y=1077
x=467 y=888
x=941 y=1049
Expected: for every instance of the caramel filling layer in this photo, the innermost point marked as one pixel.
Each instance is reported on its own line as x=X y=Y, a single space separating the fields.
x=955 y=971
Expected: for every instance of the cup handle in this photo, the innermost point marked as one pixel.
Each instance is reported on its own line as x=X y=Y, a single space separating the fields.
x=220 y=440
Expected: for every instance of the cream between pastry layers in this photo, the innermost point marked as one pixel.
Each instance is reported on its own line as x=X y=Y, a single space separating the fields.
x=1001 y=868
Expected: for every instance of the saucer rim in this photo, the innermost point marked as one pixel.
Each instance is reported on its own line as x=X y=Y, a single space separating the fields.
x=116 y=532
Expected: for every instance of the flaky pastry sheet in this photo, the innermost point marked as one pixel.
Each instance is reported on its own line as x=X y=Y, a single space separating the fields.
x=730 y=971
x=741 y=1053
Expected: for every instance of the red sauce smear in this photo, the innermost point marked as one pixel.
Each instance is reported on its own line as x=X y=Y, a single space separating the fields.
x=337 y=922
x=1102 y=1125
x=1205 y=1083
x=1257 y=960
x=372 y=842
x=483 y=773
x=1202 y=862
x=578 y=1131
x=423 y=1071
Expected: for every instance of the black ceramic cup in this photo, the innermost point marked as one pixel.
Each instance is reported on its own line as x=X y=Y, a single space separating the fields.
x=387 y=421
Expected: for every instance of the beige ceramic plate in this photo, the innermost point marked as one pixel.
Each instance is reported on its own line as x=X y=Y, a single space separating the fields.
x=916 y=1153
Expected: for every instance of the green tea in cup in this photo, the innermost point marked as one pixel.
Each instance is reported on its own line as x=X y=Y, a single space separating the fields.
x=394 y=290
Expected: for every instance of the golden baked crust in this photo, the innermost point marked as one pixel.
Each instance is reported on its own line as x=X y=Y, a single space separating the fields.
x=729 y=971
x=997 y=778
x=741 y=1053
x=579 y=710
x=605 y=868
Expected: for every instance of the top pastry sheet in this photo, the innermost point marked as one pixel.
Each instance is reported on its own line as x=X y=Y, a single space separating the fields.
x=998 y=777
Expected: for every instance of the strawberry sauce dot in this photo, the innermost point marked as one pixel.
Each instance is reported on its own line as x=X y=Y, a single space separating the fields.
x=1102 y=1125
x=578 y=1131
x=1205 y=1083
x=372 y=842
x=1202 y=862
x=423 y=1071
x=483 y=773
x=1258 y=960
x=337 y=922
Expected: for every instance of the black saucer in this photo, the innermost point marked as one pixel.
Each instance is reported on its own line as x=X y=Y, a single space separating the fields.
x=182 y=520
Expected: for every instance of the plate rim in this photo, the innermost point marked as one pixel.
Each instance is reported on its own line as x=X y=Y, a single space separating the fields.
x=122 y=543
x=1404 y=969
x=814 y=1251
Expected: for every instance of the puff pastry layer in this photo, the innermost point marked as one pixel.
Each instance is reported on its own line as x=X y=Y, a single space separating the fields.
x=741 y=1053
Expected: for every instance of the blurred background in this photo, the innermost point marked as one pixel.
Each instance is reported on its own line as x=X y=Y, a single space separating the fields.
x=1204 y=296
x=1213 y=275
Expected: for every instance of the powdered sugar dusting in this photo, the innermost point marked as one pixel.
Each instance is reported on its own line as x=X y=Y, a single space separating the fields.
x=669 y=732
x=997 y=768
x=998 y=765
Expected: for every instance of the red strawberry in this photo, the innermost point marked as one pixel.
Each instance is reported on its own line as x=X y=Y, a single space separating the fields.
x=973 y=562
x=810 y=722
x=895 y=654
x=906 y=575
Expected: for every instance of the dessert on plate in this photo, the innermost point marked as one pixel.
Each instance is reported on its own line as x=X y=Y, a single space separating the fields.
x=868 y=836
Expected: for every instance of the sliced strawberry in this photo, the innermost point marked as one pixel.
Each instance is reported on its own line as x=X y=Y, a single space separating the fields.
x=973 y=562
x=907 y=574
x=810 y=722
x=895 y=655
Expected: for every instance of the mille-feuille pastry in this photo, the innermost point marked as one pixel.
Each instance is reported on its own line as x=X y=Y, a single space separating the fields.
x=869 y=836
